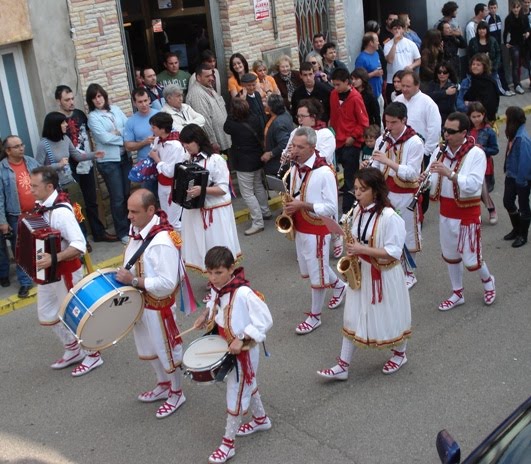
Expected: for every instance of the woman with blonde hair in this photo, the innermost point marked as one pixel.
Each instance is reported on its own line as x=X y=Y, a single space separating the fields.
x=265 y=85
x=287 y=79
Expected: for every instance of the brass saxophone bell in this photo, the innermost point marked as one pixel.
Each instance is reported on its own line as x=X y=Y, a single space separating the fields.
x=350 y=270
x=284 y=225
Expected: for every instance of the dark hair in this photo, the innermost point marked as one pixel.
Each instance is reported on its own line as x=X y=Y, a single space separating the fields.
x=49 y=175
x=169 y=55
x=440 y=26
x=143 y=71
x=374 y=179
x=479 y=8
x=484 y=59
x=51 y=129
x=239 y=109
x=398 y=75
x=326 y=47
x=276 y=104
x=60 y=89
x=396 y=110
x=207 y=55
x=340 y=74
x=306 y=66
x=361 y=73
x=219 y=256
x=138 y=92
x=3 y=153
x=92 y=91
x=397 y=23
x=315 y=108
x=462 y=118
x=476 y=107
x=515 y=119
x=202 y=67
x=193 y=133
x=449 y=8
x=162 y=120
x=372 y=26
x=413 y=74
x=452 y=76
x=372 y=131
x=318 y=35
x=432 y=41
x=245 y=66
x=492 y=3
x=147 y=198
x=483 y=25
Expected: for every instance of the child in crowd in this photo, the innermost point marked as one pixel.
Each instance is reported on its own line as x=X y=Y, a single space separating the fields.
x=242 y=318
x=486 y=138
x=370 y=134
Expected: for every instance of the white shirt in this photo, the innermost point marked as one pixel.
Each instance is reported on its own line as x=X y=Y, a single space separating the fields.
x=423 y=116
x=64 y=220
x=406 y=52
x=170 y=153
x=326 y=143
x=186 y=115
x=162 y=261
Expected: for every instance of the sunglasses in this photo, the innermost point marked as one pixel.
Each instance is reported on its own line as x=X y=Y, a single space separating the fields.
x=442 y=71
x=451 y=131
x=313 y=62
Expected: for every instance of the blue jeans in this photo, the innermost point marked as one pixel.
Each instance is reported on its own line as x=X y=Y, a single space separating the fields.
x=23 y=278
x=349 y=158
x=115 y=174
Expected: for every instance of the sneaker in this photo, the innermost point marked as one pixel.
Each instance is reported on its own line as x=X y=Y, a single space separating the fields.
x=309 y=325
x=91 y=362
x=69 y=357
x=511 y=93
x=4 y=281
x=411 y=280
x=258 y=424
x=519 y=90
x=175 y=400
x=23 y=291
x=253 y=230
x=125 y=240
x=508 y=93
x=395 y=362
x=493 y=217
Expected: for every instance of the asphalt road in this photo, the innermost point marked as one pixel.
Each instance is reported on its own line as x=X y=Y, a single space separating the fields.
x=467 y=370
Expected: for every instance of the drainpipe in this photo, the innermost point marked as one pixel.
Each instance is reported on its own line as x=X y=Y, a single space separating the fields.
x=274 y=18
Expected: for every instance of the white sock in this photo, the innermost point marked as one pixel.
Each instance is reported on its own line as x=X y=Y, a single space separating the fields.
x=257 y=408
x=402 y=347
x=175 y=379
x=64 y=335
x=161 y=374
x=347 y=350
x=455 y=271
x=233 y=424
x=333 y=279
x=318 y=298
x=485 y=275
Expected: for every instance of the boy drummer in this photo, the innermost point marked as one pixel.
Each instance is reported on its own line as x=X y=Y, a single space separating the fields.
x=243 y=319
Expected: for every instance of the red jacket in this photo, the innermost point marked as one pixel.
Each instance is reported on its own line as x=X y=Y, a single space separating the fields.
x=349 y=118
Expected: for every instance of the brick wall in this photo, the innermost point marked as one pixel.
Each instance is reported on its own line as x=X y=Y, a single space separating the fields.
x=337 y=27
x=99 y=51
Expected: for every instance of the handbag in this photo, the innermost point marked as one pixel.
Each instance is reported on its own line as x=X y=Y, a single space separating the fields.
x=143 y=170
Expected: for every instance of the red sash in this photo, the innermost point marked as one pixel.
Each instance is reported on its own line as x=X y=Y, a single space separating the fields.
x=393 y=187
x=66 y=268
x=302 y=225
x=163 y=180
x=450 y=209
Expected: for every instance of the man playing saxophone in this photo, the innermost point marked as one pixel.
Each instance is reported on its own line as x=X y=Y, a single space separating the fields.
x=313 y=191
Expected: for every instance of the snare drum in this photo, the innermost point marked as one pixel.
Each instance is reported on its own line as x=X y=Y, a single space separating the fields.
x=205 y=367
x=99 y=310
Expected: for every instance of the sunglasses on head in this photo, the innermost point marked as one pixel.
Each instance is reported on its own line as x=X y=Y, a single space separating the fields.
x=451 y=131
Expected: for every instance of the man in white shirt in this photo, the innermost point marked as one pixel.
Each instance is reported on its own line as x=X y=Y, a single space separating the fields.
x=480 y=13
x=400 y=54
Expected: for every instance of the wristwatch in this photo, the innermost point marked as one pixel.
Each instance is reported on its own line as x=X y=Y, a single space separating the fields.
x=241 y=336
x=134 y=282
x=452 y=175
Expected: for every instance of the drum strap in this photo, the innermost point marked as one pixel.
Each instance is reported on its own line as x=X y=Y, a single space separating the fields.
x=139 y=252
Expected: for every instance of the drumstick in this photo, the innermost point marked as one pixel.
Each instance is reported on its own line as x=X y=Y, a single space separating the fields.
x=191 y=329
x=205 y=353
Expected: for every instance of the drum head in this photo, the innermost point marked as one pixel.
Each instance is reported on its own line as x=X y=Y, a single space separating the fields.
x=193 y=358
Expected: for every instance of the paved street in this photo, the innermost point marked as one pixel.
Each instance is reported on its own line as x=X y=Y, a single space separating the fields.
x=467 y=370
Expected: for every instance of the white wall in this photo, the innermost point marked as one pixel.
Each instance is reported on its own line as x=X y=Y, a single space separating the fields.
x=354 y=26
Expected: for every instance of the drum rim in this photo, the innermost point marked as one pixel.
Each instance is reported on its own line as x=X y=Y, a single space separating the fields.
x=98 y=302
x=205 y=369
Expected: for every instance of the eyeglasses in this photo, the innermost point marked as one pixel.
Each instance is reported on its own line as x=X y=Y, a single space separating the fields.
x=451 y=131
x=20 y=145
x=302 y=116
x=443 y=71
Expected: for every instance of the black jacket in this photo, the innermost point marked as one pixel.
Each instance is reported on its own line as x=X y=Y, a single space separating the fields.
x=276 y=139
x=246 y=148
x=372 y=107
x=321 y=92
x=517 y=27
x=446 y=103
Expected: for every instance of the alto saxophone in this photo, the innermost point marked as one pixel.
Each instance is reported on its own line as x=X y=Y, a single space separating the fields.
x=349 y=266
x=284 y=222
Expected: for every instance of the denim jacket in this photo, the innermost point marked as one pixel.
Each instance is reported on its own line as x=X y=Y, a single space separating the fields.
x=9 y=203
x=518 y=161
x=487 y=139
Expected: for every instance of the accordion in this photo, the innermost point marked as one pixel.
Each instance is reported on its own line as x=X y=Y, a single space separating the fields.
x=188 y=175
x=34 y=237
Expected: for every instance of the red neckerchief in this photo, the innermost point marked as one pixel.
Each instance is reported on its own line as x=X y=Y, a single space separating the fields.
x=319 y=125
x=236 y=282
x=62 y=197
x=174 y=135
x=161 y=226
x=408 y=133
x=319 y=162
x=462 y=151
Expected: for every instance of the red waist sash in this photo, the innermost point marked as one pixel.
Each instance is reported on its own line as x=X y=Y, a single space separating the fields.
x=66 y=268
x=393 y=187
x=302 y=225
x=450 y=209
x=163 y=180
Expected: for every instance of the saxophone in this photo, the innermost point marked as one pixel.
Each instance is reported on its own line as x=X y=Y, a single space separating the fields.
x=349 y=266
x=284 y=222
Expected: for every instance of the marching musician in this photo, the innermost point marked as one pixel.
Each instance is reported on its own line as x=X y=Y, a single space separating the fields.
x=57 y=211
x=456 y=181
x=378 y=314
x=166 y=152
x=400 y=162
x=243 y=319
x=156 y=272
x=214 y=223
x=313 y=192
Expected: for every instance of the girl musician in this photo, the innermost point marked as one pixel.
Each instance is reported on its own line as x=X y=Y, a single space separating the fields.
x=378 y=315
x=213 y=224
